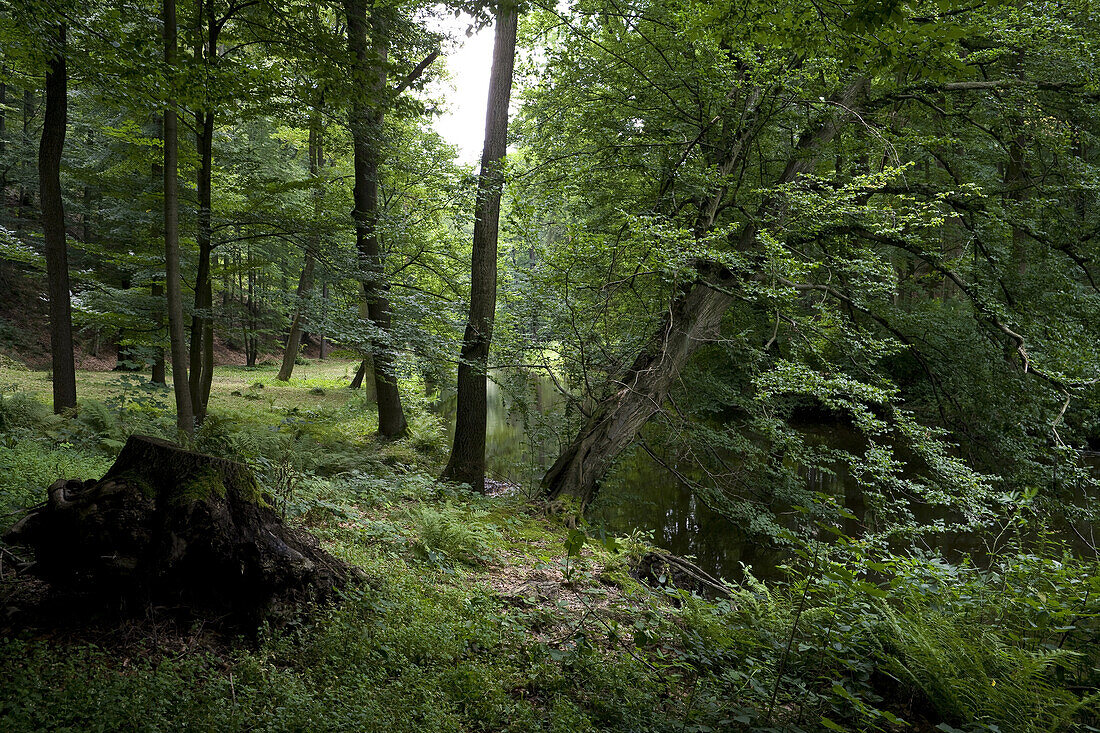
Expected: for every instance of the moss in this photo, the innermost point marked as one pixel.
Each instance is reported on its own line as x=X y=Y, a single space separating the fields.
x=200 y=485
x=207 y=482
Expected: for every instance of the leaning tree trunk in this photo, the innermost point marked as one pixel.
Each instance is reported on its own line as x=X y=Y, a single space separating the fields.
x=305 y=282
x=185 y=416
x=53 y=227
x=369 y=75
x=294 y=338
x=169 y=526
x=467 y=461
x=693 y=319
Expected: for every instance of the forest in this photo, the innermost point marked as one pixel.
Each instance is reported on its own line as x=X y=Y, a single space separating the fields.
x=748 y=381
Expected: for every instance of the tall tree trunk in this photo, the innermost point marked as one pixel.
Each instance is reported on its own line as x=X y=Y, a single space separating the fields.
x=202 y=321
x=467 y=461
x=369 y=74
x=53 y=227
x=252 y=339
x=305 y=282
x=185 y=417
x=693 y=318
x=364 y=379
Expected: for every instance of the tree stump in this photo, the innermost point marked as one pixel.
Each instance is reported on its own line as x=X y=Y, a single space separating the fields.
x=170 y=526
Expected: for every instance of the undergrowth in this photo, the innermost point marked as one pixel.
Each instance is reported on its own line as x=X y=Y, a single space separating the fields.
x=485 y=614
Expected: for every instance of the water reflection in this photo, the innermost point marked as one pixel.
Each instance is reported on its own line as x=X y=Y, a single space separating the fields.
x=519 y=440
x=641 y=495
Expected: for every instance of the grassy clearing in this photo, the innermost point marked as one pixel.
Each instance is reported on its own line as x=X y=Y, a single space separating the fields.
x=486 y=614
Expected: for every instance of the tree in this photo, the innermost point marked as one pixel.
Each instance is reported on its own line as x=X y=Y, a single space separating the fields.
x=185 y=417
x=467 y=461
x=371 y=98
x=53 y=227
x=305 y=281
x=747 y=195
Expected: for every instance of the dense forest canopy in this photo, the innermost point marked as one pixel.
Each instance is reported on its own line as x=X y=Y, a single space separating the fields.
x=829 y=272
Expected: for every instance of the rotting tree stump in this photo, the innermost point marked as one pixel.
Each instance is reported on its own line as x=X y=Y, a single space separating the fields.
x=168 y=526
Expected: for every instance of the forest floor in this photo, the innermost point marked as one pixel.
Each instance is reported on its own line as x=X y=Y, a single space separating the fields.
x=482 y=613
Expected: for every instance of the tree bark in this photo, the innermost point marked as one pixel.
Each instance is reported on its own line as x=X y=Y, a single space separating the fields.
x=294 y=338
x=467 y=461
x=305 y=282
x=202 y=321
x=202 y=324
x=367 y=113
x=53 y=227
x=693 y=319
x=185 y=418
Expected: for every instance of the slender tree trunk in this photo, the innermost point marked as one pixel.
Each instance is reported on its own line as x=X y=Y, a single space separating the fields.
x=185 y=418
x=252 y=341
x=294 y=339
x=369 y=73
x=360 y=375
x=201 y=337
x=53 y=226
x=202 y=321
x=692 y=320
x=323 y=348
x=305 y=282
x=467 y=461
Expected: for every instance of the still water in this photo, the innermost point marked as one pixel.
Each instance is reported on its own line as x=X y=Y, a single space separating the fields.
x=523 y=438
x=640 y=496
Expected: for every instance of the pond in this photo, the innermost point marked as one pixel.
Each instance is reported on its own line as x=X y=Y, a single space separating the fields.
x=643 y=496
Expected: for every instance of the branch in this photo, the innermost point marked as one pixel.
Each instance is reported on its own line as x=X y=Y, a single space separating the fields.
x=416 y=73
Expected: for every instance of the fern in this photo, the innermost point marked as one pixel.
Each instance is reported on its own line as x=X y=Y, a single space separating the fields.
x=974 y=677
x=448 y=532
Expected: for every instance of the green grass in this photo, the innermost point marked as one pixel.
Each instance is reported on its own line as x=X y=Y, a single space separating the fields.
x=329 y=375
